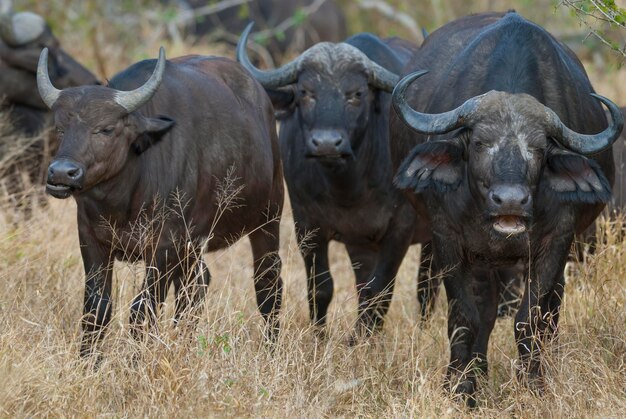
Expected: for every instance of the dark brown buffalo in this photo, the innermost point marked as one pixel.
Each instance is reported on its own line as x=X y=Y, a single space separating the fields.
x=169 y=143
x=22 y=36
x=334 y=102
x=283 y=24
x=489 y=148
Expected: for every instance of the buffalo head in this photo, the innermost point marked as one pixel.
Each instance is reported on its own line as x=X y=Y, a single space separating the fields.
x=97 y=127
x=508 y=148
x=329 y=90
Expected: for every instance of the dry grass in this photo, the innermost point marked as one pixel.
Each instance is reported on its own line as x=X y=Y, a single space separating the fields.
x=224 y=368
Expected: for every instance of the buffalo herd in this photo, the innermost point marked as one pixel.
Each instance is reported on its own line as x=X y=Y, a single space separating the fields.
x=486 y=144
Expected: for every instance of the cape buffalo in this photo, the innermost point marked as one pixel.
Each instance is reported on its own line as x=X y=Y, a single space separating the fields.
x=158 y=143
x=505 y=148
x=22 y=36
x=334 y=101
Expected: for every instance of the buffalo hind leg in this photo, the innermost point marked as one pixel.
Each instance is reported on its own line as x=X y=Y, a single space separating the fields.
x=268 y=284
x=191 y=288
x=143 y=310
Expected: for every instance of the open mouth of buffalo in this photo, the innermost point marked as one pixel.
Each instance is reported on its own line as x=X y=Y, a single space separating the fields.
x=509 y=224
x=59 y=190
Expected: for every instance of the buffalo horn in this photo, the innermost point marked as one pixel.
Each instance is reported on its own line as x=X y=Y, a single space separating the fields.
x=379 y=77
x=584 y=143
x=49 y=94
x=425 y=123
x=270 y=79
x=133 y=99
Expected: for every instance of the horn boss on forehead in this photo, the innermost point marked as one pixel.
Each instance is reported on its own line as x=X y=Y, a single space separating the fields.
x=130 y=100
x=379 y=77
x=434 y=124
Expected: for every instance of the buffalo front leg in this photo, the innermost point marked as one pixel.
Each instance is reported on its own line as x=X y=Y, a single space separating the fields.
x=538 y=314
x=268 y=284
x=314 y=250
x=364 y=261
x=143 y=310
x=376 y=293
x=463 y=318
x=97 y=302
x=486 y=286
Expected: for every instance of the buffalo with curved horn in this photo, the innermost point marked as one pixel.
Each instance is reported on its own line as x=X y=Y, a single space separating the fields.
x=333 y=101
x=504 y=147
x=158 y=143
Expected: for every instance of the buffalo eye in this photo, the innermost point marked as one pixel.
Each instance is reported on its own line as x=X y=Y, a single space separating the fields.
x=304 y=93
x=307 y=97
x=105 y=131
x=355 y=98
x=479 y=145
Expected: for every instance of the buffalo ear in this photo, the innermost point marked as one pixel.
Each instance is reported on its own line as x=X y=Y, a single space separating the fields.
x=150 y=130
x=436 y=165
x=283 y=100
x=575 y=178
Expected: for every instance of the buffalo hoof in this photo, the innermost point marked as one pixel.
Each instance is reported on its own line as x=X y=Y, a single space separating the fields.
x=535 y=382
x=462 y=388
x=320 y=333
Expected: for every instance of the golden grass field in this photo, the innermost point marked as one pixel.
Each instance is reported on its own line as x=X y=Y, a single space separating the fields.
x=224 y=368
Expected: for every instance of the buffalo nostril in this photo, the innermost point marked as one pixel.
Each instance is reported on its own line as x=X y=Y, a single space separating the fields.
x=495 y=198
x=338 y=142
x=525 y=200
x=74 y=173
x=315 y=142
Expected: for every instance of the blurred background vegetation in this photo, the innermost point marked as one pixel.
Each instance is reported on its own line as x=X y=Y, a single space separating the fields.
x=109 y=35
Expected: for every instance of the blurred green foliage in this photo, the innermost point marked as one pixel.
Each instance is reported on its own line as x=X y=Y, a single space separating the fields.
x=123 y=31
x=604 y=18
